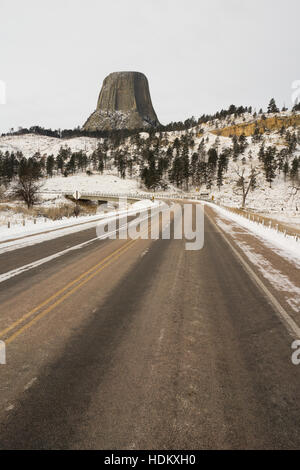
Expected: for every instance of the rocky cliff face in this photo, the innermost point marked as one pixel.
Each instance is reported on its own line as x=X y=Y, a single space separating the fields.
x=124 y=103
x=274 y=123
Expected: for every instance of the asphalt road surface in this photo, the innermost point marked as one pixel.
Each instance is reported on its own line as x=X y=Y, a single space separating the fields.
x=143 y=345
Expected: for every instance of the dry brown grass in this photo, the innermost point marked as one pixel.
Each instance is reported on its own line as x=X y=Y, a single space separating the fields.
x=52 y=212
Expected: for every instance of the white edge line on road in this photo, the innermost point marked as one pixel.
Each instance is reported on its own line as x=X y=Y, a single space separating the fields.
x=35 y=264
x=287 y=320
x=23 y=241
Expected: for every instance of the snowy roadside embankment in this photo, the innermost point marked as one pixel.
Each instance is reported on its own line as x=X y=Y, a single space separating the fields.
x=288 y=245
x=42 y=225
x=26 y=236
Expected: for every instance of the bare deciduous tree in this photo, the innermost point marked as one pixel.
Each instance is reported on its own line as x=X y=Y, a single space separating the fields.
x=27 y=188
x=245 y=182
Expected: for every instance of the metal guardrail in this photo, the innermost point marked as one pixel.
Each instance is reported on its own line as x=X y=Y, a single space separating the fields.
x=131 y=195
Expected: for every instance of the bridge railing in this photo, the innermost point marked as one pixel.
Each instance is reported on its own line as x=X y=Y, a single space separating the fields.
x=137 y=195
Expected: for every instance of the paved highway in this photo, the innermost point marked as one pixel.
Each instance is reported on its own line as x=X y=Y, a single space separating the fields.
x=140 y=344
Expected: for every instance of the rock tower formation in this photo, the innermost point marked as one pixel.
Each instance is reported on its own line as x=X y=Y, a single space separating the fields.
x=124 y=103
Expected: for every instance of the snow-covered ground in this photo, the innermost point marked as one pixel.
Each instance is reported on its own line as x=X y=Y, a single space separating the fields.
x=29 y=144
x=50 y=196
x=104 y=227
x=275 y=256
x=281 y=200
x=107 y=183
x=290 y=218
x=45 y=229
x=286 y=246
x=18 y=230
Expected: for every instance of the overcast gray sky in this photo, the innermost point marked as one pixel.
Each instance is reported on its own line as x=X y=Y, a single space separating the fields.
x=199 y=55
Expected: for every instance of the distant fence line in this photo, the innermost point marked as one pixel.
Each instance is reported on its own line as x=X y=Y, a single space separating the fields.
x=266 y=221
x=259 y=219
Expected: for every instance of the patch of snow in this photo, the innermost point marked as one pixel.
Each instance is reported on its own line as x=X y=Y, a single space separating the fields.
x=279 y=281
x=286 y=246
x=26 y=236
x=106 y=183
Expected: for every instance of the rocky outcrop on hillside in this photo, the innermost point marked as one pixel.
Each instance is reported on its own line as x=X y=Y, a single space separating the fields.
x=274 y=123
x=124 y=103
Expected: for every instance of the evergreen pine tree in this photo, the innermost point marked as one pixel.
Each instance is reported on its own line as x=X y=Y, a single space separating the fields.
x=270 y=164
x=272 y=108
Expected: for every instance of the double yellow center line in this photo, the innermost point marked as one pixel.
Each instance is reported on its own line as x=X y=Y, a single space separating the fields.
x=58 y=298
